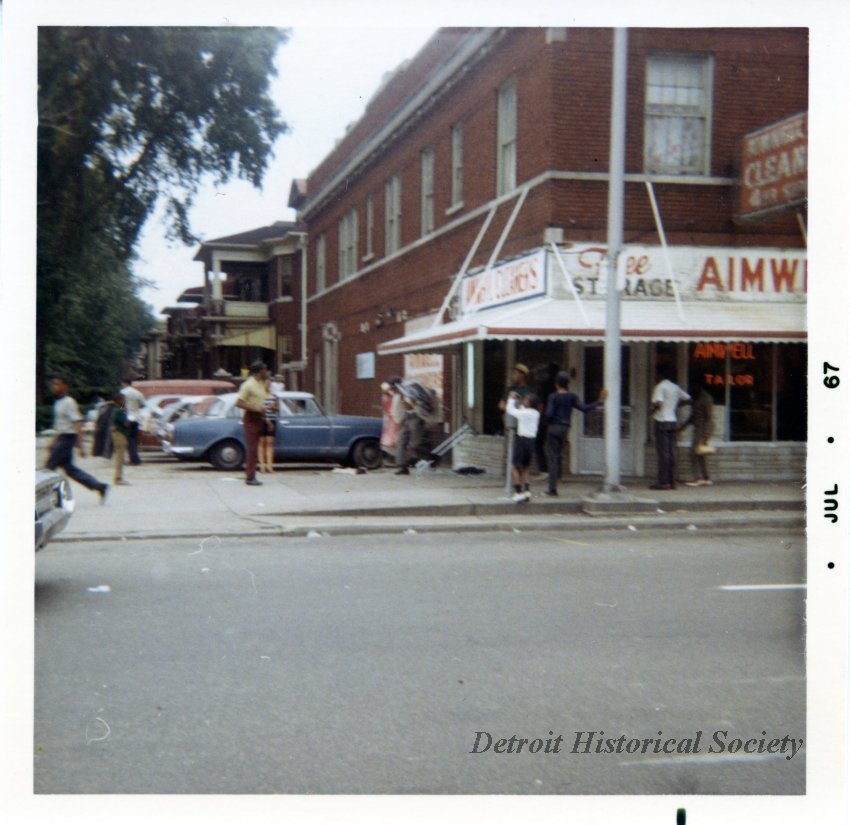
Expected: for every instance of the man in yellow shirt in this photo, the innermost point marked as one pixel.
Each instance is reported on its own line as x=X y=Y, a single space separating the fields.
x=251 y=399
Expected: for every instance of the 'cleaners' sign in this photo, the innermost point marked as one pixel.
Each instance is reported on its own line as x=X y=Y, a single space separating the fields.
x=774 y=171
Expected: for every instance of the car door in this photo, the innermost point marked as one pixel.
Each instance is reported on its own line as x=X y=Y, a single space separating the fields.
x=303 y=431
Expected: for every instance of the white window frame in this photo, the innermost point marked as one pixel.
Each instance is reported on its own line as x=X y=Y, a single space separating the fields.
x=678 y=104
x=348 y=244
x=392 y=214
x=427 y=196
x=370 y=228
x=321 y=264
x=457 y=165
x=506 y=137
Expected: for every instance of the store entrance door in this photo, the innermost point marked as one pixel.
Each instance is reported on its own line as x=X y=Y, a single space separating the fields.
x=591 y=439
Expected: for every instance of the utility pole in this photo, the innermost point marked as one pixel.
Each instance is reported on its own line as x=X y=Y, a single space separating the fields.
x=616 y=169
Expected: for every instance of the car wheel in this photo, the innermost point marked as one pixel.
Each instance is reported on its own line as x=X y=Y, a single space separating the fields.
x=227 y=455
x=367 y=454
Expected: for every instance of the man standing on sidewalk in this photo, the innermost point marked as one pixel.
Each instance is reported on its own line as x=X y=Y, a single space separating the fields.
x=252 y=399
x=67 y=422
x=666 y=398
x=133 y=402
x=558 y=412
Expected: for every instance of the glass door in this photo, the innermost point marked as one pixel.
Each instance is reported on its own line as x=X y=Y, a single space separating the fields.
x=591 y=439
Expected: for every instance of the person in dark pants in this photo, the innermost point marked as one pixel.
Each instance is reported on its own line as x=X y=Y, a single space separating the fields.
x=546 y=388
x=666 y=399
x=133 y=403
x=559 y=410
x=67 y=422
x=252 y=399
x=701 y=420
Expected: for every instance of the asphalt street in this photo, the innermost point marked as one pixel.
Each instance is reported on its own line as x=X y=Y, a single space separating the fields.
x=374 y=664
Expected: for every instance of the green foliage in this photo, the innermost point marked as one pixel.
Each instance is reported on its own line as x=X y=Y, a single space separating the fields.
x=128 y=116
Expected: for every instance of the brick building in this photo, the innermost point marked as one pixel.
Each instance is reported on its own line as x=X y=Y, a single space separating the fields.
x=460 y=226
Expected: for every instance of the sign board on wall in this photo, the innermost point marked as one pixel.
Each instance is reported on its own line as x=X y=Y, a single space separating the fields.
x=512 y=281
x=774 y=169
x=366 y=365
x=700 y=273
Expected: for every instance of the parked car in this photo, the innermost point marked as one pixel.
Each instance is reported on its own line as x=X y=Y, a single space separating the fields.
x=304 y=433
x=184 y=408
x=54 y=504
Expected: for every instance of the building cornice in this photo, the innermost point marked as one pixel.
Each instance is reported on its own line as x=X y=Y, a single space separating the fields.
x=477 y=45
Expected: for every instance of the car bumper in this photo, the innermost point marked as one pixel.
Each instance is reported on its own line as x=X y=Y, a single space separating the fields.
x=180 y=452
x=49 y=525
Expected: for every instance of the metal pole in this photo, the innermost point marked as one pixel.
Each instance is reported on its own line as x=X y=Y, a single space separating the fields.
x=616 y=187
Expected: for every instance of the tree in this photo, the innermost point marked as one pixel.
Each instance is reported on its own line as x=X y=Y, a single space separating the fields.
x=128 y=116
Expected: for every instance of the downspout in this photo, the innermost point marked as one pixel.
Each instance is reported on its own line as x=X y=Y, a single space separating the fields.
x=304 y=357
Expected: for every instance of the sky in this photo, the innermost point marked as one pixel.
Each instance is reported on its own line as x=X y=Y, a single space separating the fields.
x=325 y=78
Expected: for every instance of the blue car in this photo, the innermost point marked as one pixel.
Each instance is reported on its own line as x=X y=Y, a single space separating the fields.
x=304 y=434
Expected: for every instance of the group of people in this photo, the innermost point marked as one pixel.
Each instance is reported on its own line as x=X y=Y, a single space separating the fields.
x=667 y=397
x=116 y=434
x=526 y=415
x=258 y=399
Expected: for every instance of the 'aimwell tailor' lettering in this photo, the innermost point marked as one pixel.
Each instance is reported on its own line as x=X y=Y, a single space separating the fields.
x=595 y=742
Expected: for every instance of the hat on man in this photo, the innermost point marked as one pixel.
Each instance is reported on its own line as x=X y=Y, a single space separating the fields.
x=521 y=368
x=257 y=366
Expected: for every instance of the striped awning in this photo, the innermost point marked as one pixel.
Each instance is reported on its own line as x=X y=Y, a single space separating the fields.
x=555 y=319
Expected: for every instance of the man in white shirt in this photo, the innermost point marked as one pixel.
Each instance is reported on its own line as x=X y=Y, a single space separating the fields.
x=666 y=399
x=67 y=422
x=133 y=403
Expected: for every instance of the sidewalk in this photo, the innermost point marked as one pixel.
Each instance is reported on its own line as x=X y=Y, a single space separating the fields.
x=167 y=499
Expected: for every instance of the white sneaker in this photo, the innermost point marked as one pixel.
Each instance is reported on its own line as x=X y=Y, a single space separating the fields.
x=517 y=497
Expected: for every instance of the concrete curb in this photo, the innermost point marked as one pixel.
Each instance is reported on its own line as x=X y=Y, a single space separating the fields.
x=304 y=526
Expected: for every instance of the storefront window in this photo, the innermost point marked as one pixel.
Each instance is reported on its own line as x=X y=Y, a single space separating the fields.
x=758 y=389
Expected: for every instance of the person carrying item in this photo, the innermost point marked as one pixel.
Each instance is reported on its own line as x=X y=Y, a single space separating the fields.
x=666 y=399
x=119 y=425
x=557 y=415
x=392 y=420
x=252 y=399
x=67 y=422
x=523 y=409
x=702 y=410
x=421 y=410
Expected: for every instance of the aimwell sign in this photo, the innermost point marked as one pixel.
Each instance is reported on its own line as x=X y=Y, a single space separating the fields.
x=774 y=171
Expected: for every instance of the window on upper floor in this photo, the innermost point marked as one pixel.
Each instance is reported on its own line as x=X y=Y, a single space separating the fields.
x=321 y=274
x=370 y=228
x=506 y=138
x=427 y=210
x=284 y=276
x=457 y=164
x=348 y=244
x=677 y=129
x=392 y=214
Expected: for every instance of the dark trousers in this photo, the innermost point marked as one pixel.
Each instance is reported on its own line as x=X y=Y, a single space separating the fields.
x=556 y=438
x=255 y=425
x=665 y=446
x=410 y=440
x=62 y=456
x=133 y=442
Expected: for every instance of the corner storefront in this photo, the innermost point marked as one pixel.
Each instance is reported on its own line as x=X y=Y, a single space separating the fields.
x=731 y=319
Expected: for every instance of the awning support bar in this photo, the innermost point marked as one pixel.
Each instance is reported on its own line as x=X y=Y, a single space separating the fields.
x=508 y=226
x=660 y=227
x=570 y=283
x=438 y=319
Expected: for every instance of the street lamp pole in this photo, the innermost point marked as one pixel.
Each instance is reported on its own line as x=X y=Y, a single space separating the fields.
x=613 y=366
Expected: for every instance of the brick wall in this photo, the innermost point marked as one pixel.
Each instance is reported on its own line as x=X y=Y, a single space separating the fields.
x=563 y=97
